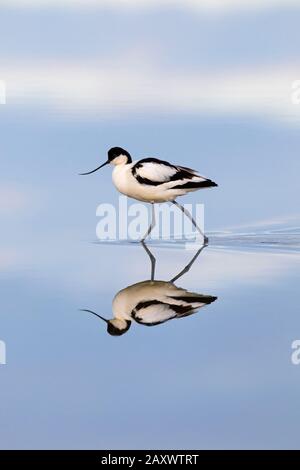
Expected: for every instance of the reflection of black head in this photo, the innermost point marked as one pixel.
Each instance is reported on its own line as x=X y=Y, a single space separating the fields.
x=114 y=331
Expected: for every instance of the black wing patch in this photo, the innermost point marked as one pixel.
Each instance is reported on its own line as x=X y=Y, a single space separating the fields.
x=205 y=299
x=180 y=310
x=196 y=184
x=181 y=173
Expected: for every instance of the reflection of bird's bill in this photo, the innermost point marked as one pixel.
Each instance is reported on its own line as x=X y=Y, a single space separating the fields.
x=115 y=327
x=93 y=313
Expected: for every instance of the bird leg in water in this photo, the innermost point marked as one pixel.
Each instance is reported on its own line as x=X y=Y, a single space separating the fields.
x=181 y=273
x=152 y=225
x=185 y=212
x=152 y=259
x=189 y=265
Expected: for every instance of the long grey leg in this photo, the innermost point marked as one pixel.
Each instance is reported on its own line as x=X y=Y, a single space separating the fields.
x=205 y=239
x=189 y=265
x=152 y=259
x=152 y=225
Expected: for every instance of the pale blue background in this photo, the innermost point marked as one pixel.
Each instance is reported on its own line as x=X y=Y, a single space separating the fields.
x=220 y=379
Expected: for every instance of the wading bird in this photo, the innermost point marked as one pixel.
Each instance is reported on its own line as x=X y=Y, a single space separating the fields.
x=152 y=180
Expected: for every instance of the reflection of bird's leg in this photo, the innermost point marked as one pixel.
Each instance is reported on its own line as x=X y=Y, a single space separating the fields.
x=152 y=259
x=188 y=266
x=205 y=239
x=152 y=225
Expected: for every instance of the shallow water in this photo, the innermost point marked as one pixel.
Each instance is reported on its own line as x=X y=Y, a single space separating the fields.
x=281 y=239
x=220 y=378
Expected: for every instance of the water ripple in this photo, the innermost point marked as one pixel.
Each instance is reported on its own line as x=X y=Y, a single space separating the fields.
x=283 y=239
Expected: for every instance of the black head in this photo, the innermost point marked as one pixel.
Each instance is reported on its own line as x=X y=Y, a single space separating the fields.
x=116 y=152
x=115 y=331
x=116 y=156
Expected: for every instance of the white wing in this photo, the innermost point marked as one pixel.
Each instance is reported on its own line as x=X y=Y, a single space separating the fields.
x=154 y=313
x=152 y=171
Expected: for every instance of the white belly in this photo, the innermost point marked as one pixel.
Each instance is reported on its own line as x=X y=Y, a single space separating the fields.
x=126 y=184
x=127 y=299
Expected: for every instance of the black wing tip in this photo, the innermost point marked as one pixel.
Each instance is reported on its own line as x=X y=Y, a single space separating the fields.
x=196 y=185
x=208 y=299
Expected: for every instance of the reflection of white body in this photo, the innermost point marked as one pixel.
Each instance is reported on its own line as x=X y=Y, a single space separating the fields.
x=154 y=302
x=151 y=303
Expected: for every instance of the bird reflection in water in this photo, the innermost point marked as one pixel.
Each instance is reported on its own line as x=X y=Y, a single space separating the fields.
x=152 y=302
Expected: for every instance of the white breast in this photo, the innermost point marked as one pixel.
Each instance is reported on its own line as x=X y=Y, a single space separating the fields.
x=123 y=179
x=127 y=299
x=127 y=184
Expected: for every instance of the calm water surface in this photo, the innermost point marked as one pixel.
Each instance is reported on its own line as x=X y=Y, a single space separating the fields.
x=220 y=378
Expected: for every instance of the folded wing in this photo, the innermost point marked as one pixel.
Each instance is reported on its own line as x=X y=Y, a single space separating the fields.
x=154 y=312
x=154 y=172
